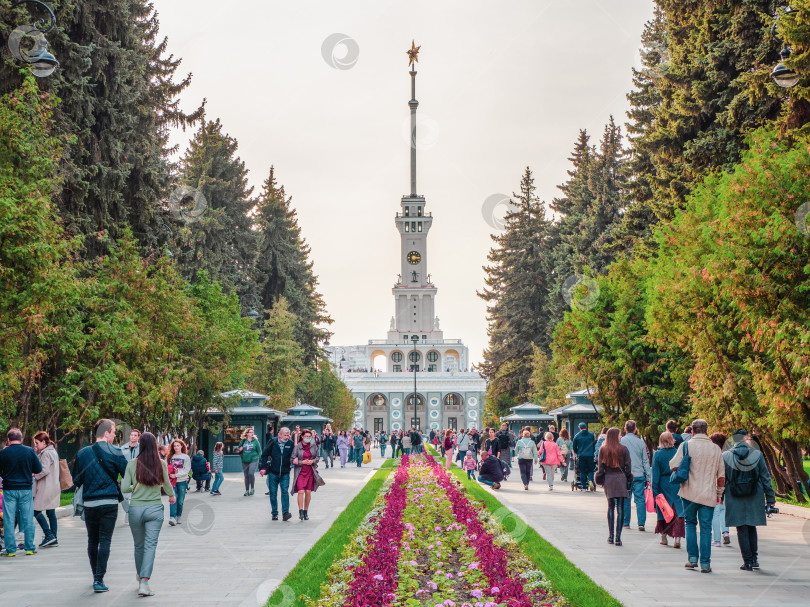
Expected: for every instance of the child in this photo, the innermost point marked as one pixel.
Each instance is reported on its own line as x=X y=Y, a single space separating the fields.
x=201 y=471
x=217 y=461
x=469 y=465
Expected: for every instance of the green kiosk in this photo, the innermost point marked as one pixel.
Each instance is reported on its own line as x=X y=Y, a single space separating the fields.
x=305 y=416
x=527 y=414
x=580 y=409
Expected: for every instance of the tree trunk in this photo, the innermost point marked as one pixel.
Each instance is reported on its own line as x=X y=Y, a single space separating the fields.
x=792 y=465
x=772 y=459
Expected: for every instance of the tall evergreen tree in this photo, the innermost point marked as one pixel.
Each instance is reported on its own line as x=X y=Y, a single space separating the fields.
x=284 y=269
x=218 y=239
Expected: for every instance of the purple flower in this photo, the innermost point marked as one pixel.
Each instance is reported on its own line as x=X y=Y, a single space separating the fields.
x=449 y=603
x=378 y=577
x=473 y=565
x=449 y=576
x=495 y=590
x=477 y=594
x=432 y=586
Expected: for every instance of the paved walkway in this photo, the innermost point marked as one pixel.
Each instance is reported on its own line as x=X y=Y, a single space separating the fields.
x=226 y=552
x=643 y=572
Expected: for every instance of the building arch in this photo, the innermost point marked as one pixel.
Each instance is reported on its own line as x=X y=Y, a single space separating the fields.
x=453 y=402
x=379 y=361
x=377 y=402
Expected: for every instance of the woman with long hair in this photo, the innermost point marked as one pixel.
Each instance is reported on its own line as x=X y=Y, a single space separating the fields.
x=448 y=449
x=343 y=447
x=305 y=459
x=217 y=461
x=178 y=456
x=146 y=475
x=661 y=484
x=47 y=489
x=615 y=475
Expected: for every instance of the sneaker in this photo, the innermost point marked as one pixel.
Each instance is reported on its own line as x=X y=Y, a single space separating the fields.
x=217 y=492
x=246 y=493
x=755 y=564
x=172 y=522
x=641 y=527
x=746 y=567
x=726 y=538
x=30 y=552
x=251 y=491
x=714 y=544
x=7 y=554
x=177 y=520
x=286 y=516
x=275 y=517
x=690 y=565
x=706 y=570
x=49 y=541
x=496 y=486
x=144 y=589
x=98 y=586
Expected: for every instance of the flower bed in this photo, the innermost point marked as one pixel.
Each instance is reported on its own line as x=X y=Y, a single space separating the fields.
x=425 y=543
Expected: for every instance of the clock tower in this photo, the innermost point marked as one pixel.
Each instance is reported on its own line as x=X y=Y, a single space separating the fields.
x=414 y=294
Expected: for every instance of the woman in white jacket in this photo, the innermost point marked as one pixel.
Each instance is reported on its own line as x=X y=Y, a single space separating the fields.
x=46 y=488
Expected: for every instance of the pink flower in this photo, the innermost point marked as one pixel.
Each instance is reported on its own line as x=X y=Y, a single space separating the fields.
x=495 y=590
x=378 y=577
x=449 y=576
x=432 y=586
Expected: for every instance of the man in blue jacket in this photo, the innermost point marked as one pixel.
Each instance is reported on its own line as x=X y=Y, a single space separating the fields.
x=97 y=470
x=642 y=474
x=17 y=465
x=584 y=449
x=275 y=463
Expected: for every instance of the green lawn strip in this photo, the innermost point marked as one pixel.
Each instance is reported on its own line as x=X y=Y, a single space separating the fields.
x=66 y=499
x=310 y=572
x=578 y=588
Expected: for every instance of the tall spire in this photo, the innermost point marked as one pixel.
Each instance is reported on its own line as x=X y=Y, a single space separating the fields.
x=413 y=58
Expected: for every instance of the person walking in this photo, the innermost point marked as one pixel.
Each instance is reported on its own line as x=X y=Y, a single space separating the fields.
x=383 y=440
x=305 y=460
x=505 y=444
x=463 y=445
x=448 y=449
x=642 y=475
x=719 y=528
x=406 y=443
x=566 y=446
x=18 y=465
x=700 y=493
x=96 y=473
x=748 y=492
x=144 y=478
x=585 y=448
x=249 y=450
x=491 y=472
x=343 y=447
x=615 y=474
x=217 y=463
x=178 y=456
x=275 y=463
x=416 y=441
x=47 y=489
x=662 y=485
x=550 y=457
x=526 y=456
x=492 y=443
x=672 y=428
x=396 y=448
x=201 y=471
x=357 y=445
x=366 y=444
x=328 y=443
x=130 y=452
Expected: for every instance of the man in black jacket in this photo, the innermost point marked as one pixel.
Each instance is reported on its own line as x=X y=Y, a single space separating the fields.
x=491 y=472
x=506 y=440
x=17 y=465
x=328 y=444
x=416 y=441
x=275 y=463
x=96 y=471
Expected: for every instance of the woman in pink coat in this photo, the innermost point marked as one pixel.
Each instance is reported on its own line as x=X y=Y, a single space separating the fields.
x=550 y=458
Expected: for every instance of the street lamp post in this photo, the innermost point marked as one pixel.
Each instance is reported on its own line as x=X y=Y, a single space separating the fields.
x=415 y=340
x=42 y=62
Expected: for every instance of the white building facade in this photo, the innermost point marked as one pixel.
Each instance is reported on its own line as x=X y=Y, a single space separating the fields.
x=381 y=374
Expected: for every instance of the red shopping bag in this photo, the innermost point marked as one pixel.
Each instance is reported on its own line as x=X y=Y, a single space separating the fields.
x=648 y=498
x=664 y=507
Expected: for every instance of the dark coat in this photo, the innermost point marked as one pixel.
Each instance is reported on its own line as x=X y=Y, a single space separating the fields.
x=615 y=480
x=493 y=445
x=276 y=457
x=748 y=510
x=584 y=443
x=94 y=479
x=491 y=470
x=661 y=473
x=198 y=465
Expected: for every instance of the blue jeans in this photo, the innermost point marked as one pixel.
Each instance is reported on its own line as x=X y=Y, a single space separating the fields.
x=719 y=522
x=274 y=481
x=694 y=514
x=48 y=524
x=18 y=502
x=359 y=457
x=176 y=509
x=218 y=478
x=328 y=456
x=382 y=450
x=641 y=507
x=471 y=474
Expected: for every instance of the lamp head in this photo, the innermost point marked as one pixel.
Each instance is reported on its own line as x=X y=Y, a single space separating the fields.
x=783 y=75
x=415 y=339
x=253 y=313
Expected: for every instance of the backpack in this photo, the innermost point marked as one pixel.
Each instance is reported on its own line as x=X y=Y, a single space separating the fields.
x=525 y=451
x=743 y=483
x=564 y=449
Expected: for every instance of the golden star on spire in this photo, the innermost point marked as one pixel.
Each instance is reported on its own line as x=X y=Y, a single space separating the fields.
x=413 y=54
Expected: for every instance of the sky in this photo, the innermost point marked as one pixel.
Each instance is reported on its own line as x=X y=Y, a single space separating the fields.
x=319 y=89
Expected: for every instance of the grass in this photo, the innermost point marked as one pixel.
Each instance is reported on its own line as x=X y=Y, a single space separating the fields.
x=310 y=572
x=792 y=500
x=578 y=588
x=66 y=499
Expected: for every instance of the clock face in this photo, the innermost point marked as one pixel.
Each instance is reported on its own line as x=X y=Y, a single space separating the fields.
x=414 y=258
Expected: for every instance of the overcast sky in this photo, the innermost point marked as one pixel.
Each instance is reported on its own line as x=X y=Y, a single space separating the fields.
x=501 y=86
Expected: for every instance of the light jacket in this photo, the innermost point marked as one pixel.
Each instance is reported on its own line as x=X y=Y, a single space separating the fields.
x=46 y=483
x=526 y=442
x=639 y=456
x=705 y=468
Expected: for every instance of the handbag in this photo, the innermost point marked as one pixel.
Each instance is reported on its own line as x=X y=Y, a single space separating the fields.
x=663 y=505
x=78 y=503
x=681 y=475
x=542 y=457
x=366 y=457
x=648 y=499
x=65 y=478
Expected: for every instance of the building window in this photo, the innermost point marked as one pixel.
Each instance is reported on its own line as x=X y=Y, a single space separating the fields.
x=452 y=423
x=378 y=424
x=432 y=368
x=407 y=227
x=415 y=423
x=405 y=337
x=433 y=356
x=419 y=225
x=233 y=436
x=418 y=211
x=397 y=356
x=413 y=226
x=414 y=357
x=407 y=211
x=397 y=368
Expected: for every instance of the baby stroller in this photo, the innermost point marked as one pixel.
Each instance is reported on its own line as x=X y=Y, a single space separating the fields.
x=575 y=484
